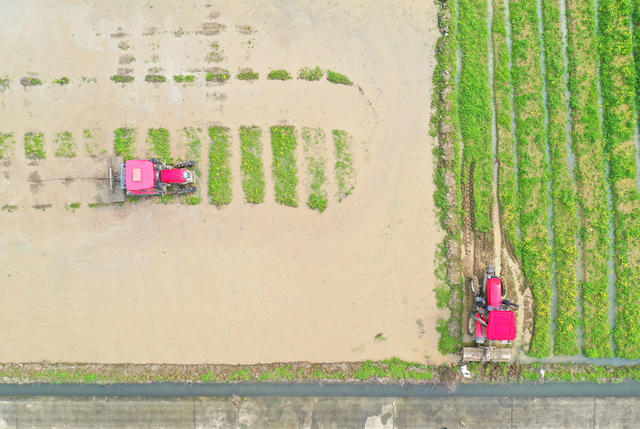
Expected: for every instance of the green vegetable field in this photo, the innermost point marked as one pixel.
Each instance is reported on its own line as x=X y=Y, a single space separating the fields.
x=556 y=85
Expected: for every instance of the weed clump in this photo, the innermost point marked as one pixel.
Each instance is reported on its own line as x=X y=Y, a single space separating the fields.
x=6 y=142
x=279 y=75
x=118 y=78
x=184 y=78
x=313 y=146
x=310 y=74
x=62 y=81
x=34 y=146
x=338 y=78
x=155 y=78
x=247 y=74
x=64 y=145
x=218 y=75
x=345 y=171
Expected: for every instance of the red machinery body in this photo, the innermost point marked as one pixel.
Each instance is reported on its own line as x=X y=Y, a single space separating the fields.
x=494 y=318
x=152 y=177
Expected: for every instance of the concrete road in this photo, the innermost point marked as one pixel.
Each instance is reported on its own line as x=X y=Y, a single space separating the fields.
x=319 y=412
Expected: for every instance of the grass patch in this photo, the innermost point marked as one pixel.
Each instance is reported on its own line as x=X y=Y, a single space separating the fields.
x=184 y=78
x=30 y=81
x=283 y=146
x=475 y=112
x=533 y=169
x=34 y=146
x=155 y=78
x=62 y=81
x=122 y=78
x=220 y=192
x=65 y=147
x=42 y=207
x=193 y=153
x=9 y=208
x=247 y=74
x=345 y=171
x=310 y=74
x=314 y=140
x=335 y=77
x=253 y=182
x=125 y=142
x=71 y=207
x=165 y=199
x=6 y=144
x=5 y=83
x=218 y=75
x=563 y=195
x=158 y=140
x=591 y=179
x=97 y=205
x=279 y=75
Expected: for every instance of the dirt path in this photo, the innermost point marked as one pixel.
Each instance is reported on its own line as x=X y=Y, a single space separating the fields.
x=153 y=283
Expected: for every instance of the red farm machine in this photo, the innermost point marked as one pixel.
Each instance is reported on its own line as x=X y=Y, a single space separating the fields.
x=138 y=177
x=492 y=323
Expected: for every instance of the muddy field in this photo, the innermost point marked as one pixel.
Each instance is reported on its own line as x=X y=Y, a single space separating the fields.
x=149 y=282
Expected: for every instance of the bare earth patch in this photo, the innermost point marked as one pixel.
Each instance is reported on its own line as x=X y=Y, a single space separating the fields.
x=175 y=283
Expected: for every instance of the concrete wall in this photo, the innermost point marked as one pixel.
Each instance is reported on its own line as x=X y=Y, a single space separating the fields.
x=319 y=412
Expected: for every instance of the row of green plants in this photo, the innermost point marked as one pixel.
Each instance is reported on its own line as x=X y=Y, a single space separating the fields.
x=448 y=179
x=345 y=170
x=65 y=145
x=475 y=110
x=253 y=183
x=285 y=170
x=533 y=169
x=590 y=174
x=34 y=146
x=158 y=144
x=617 y=79
x=125 y=139
x=6 y=143
x=314 y=140
x=507 y=188
x=192 y=136
x=563 y=195
x=220 y=191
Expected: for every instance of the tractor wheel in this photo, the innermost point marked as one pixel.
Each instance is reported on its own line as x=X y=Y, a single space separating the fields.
x=187 y=190
x=472 y=326
x=185 y=164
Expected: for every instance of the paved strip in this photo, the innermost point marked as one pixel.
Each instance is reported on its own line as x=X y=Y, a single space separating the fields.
x=319 y=412
x=171 y=390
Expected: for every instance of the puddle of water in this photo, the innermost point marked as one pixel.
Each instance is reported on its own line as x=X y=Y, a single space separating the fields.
x=543 y=69
x=571 y=156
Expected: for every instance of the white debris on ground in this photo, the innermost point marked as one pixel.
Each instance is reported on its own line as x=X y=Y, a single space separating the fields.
x=465 y=372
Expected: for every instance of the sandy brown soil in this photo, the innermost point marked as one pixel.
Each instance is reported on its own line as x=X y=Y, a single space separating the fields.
x=153 y=283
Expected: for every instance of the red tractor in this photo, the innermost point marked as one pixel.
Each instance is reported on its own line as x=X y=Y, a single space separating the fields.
x=149 y=177
x=493 y=321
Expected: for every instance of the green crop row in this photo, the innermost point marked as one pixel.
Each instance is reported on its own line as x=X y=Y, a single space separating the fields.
x=285 y=172
x=563 y=195
x=6 y=143
x=253 y=182
x=313 y=145
x=159 y=146
x=590 y=172
x=219 y=166
x=124 y=142
x=617 y=79
x=193 y=154
x=65 y=146
x=34 y=146
x=507 y=189
x=533 y=168
x=448 y=192
x=475 y=110
x=345 y=171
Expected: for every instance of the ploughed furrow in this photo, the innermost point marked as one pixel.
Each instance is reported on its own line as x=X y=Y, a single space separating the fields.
x=590 y=172
x=565 y=217
x=507 y=191
x=618 y=83
x=533 y=168
x=475 y=110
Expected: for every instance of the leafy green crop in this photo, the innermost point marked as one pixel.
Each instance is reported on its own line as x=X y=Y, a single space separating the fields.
x=34 y=146
x=314 y=140
x=285 y=172
x=159 y=146
x=279 y=75
x=253 y=182
x=345 y=171
x=65 y=146
x=335 y=77
x=124 y=142
x=220 y=192
x=310 y=74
